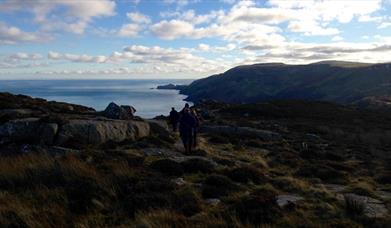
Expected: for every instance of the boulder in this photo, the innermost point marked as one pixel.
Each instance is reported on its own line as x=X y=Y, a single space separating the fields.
x=30 y=130
x=159 y=127
x=242 y=131
x=373 y=208
x=99 y=131
x=123 y=112
x=288 y=200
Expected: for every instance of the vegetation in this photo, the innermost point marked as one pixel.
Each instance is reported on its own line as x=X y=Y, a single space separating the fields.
x=343 y=82
x=303 y=178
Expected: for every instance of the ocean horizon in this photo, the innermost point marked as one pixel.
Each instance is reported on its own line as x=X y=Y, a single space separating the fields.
x=141 y=94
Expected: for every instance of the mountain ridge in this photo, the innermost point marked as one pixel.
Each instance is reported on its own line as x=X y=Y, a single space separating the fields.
x=335 y=81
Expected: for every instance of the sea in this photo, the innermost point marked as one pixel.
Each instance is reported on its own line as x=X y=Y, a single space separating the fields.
x=141 y=94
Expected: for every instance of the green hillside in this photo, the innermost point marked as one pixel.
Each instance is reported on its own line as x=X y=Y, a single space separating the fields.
x=342 y=82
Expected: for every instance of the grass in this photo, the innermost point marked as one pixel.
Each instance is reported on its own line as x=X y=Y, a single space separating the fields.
x=118 y=185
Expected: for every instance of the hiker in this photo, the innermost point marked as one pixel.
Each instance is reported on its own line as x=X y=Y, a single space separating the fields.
x=186 y=126
x=195 y=128
x=174 y=118
x=186 y=106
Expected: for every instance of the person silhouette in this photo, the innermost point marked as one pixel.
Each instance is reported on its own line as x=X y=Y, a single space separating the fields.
x=186 y=127
x=174 y=118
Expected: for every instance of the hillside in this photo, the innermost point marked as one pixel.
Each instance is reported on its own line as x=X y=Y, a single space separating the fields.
x=280 y=164
x=341 y=82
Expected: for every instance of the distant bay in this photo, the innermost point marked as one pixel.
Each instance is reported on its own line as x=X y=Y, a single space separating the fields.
x=97 y=94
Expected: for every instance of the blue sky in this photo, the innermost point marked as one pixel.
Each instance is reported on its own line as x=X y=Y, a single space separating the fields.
x=184 y=38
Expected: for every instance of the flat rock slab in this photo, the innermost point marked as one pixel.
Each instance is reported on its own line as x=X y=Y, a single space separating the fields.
x=373 y=208
x=284 y=200
x=96 y=131
x=183 y=158
x=161 y=152
x=242 y=131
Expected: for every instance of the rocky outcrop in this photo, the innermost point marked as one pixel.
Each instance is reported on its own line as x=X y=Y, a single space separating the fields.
x=30 y=130
x=242 y=131
x=159 y=127
x=99 y=131
x=123 y=112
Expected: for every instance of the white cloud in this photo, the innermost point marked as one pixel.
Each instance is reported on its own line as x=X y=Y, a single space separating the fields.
x=337 y=38
x=77 y=58
x=25 y=56
x=129 y=30
x=310 y=28
x=311 y=18
x=22 y=60
x=203 y=47
x=384 y=25
x=139 y=18
x=75 y=17
x=172 y=29
x=12 y=35
x=151 y=59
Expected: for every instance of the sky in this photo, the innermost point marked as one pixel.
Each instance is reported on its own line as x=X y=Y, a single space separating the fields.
x=184 y=38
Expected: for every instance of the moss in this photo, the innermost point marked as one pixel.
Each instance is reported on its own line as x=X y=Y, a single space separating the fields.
x=323 y=172
x=216 y=186
x=195 y=165
x=246 y=174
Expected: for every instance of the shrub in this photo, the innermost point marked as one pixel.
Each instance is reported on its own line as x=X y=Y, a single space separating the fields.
x=362 y=188
x=135 y=160
x=11 y=219
x=257 y=208
x=215 y=186
x=145 y=193
x=245 y=174
x=168 y=167
x=195 y=165
x=384 y=178
x=325 y=173
x=187 y=202
x=80 y=191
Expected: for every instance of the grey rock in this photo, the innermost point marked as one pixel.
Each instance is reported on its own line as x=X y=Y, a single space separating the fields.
x=285 y=200
x=30 y=130
x=213 y=201
x=161 y=152
x=242 y=131
x=182 y=158
x=373 y=208
x=93 y=131
x=179 y=181
x=159 y=127
x=123 y=112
